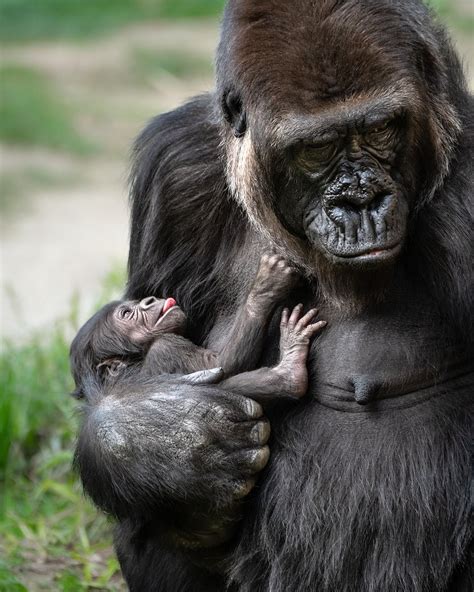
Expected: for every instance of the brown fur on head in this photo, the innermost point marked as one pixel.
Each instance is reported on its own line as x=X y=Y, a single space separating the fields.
x=284 y=66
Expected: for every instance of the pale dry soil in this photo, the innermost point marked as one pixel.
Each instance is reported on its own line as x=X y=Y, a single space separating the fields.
x=61 y=241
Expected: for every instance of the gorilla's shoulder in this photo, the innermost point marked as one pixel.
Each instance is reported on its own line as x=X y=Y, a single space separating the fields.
x=177 y=148
x=185 y=227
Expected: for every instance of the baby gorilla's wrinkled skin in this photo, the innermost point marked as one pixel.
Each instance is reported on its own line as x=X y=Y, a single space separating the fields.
x=147 y=335
x=134 y=343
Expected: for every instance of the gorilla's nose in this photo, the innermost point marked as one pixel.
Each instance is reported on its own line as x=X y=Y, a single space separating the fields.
x=147 y=302
x=355 y=190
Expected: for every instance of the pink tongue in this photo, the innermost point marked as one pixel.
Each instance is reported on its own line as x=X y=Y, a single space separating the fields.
x=169 y=303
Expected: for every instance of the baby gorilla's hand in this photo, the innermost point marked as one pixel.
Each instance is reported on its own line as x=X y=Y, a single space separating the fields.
x=274 y=279
x=296 y=332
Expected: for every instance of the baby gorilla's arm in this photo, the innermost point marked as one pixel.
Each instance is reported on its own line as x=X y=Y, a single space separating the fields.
x=290 y=377
x=242 y=348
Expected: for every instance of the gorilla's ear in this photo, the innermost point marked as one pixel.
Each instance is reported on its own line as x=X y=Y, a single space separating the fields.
x=77 y=393
x=234 y=113
x=111 y=367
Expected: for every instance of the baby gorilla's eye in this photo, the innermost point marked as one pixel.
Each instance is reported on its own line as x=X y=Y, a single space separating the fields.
x=314 y=156
x=125 y=313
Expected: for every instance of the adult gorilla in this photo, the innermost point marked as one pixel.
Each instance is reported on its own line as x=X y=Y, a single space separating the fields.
x=340 y=134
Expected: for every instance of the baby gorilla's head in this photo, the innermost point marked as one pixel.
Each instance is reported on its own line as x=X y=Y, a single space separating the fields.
x=119 y=335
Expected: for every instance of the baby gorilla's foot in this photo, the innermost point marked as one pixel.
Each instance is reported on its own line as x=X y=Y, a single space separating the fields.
x=274 y=279
x=296 y=332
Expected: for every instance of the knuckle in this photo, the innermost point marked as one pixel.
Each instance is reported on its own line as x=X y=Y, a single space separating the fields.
x=216 y=412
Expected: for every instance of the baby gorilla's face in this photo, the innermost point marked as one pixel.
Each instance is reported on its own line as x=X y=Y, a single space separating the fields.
x=144 y=320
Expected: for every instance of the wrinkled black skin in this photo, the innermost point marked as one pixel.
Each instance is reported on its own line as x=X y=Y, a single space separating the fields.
x=367 y=487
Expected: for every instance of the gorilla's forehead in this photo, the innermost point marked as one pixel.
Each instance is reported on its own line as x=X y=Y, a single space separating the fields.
x=305 y=52
x=328 y=119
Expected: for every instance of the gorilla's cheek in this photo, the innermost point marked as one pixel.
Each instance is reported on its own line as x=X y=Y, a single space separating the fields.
x=360 y=219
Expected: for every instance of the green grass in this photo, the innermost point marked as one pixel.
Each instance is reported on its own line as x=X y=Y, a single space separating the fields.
x=451 y=16
x=28 y=20
x=51 y=538
x=148 y=64
x=32 y=113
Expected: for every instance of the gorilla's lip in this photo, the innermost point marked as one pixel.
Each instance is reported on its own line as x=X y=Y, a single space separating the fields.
x=162 y=316
x=370 y=254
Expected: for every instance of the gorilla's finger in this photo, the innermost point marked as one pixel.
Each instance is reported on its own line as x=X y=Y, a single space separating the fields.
x=252 y=460
x=247 y=434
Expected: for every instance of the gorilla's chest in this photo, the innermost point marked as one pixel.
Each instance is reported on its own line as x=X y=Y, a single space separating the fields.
x=365 y=493
x=365 y=496
x=379 y=356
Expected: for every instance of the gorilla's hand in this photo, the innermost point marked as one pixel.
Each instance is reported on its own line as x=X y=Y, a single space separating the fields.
x=216 y=441
x=185 y=452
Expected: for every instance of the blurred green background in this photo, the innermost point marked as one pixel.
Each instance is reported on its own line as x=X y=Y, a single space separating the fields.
x=79 y=78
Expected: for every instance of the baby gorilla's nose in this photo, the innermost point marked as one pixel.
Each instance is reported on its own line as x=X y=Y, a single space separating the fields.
x=147 y=302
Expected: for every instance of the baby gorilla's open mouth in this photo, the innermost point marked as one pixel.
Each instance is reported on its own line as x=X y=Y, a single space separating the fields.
x=169 y=304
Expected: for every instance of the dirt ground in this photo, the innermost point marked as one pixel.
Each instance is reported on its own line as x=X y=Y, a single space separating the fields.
x=64 y=239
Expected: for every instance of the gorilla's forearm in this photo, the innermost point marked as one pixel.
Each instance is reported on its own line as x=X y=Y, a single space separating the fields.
x=241 y=345
x=182 y=456
x=122 y=468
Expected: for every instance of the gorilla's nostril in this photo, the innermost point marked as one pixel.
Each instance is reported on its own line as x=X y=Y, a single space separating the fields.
x=147 y=302
x=381 y=201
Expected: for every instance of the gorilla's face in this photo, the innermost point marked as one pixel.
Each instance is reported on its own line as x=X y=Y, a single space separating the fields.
x=341 y=191
x=340 y=180
x=329 y=144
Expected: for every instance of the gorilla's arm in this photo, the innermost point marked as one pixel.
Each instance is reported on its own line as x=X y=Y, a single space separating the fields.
x=145 y=447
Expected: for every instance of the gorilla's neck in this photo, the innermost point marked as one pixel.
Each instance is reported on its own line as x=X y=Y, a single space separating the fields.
x=353 y=291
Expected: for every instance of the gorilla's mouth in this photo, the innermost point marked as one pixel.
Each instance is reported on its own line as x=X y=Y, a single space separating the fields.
x=373 y=253
x=168 y=306
x=366 y=235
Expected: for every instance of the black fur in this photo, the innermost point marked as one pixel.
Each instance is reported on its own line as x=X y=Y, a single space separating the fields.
x=355 y=498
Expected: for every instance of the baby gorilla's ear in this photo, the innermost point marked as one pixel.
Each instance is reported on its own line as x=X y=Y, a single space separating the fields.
x=111 y=367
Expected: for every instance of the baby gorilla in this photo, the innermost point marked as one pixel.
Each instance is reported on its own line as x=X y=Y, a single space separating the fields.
x=146 y=338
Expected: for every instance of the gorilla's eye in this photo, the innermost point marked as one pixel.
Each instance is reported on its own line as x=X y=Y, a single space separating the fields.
x=382 y=134
x=125 y=313
x=315 y=156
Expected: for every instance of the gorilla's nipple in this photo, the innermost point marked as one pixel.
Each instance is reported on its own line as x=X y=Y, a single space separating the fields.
x=365 y=389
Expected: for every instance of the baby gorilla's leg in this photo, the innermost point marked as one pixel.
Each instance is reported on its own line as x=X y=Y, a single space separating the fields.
x=296 y=332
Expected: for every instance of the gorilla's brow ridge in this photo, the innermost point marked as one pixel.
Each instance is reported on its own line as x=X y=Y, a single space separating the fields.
x=294 y=127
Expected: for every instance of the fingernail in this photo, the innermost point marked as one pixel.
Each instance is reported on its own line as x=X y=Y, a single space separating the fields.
x=254 y=409
x=261 y=432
